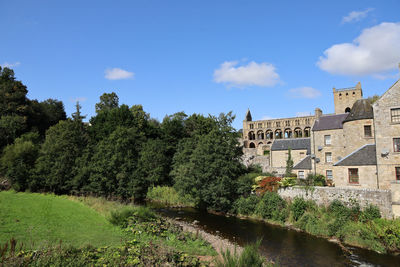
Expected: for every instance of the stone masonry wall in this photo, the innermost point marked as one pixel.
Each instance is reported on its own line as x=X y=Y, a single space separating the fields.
x=325 y=195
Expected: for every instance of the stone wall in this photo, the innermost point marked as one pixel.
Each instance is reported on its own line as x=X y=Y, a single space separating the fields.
x=325 y=195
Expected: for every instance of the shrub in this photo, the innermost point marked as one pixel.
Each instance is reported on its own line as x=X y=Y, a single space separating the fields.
x=288 y=181
x=267 y=184
x=169 y=195
x=272 y=206
x=122 y=216
x=298 y=207
x=246 y=205
x=370 y=213
x=245 y=183
x=313 y=180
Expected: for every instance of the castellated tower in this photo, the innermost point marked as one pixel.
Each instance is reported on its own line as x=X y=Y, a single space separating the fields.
x=345 y=98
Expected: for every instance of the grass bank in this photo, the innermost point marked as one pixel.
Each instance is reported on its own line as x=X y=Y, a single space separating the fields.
x=38 y=220
x=93 y=231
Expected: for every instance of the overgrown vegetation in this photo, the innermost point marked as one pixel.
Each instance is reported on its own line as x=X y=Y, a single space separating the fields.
x=139 y=236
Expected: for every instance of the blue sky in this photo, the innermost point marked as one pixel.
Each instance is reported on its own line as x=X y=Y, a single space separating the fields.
x=278 y=58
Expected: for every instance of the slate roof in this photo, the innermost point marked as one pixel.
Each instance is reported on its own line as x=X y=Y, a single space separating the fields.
x=329 y=122
x=361 y=110
x=365 y=155
x=294 y=144
x=304 y=164
x=248 y=115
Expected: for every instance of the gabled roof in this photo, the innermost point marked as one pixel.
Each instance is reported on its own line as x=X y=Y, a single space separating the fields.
x=294 y=144
x=361 y=110
x=304 y=164
x=365 y=155
x=329 y=122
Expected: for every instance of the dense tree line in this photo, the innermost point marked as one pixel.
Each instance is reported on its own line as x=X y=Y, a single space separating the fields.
x=120 y=153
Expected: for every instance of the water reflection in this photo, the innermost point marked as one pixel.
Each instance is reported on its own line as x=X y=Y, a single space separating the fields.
x=288 y=247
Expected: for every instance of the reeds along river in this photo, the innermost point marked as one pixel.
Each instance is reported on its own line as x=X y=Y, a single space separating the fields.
x=282 y=245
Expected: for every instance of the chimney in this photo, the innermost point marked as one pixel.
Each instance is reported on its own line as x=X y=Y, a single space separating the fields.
x=318 y=113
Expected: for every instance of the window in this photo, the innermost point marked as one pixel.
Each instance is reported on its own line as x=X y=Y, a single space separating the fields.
x=260 y=125
x=251 y=126
x=268 y=124
x=396 y=144
x=297 y=122
x=395 y=114
x=328 y=157
x=278 y=124
x=398 y=173
x=353 y=176
x=329 y=174
x=367 y=131
x=327 y=139
x=287 y=123
x=301 y=174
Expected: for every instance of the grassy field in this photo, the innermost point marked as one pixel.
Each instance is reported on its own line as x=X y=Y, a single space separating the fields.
x=39 y=220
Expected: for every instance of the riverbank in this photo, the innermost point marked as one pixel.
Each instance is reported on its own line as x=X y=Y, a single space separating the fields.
x=144 y=238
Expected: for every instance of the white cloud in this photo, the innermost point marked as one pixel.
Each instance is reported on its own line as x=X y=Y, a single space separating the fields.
x=356 y=15
x=253 y=74
x=376 y=50
x=303 y=114
x=118 y=74
x=304 y=92
x=10 y=65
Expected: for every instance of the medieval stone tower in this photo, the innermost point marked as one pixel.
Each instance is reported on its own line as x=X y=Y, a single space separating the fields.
x=345 y=98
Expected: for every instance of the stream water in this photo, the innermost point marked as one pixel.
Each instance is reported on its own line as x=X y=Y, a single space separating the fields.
x=285 y=246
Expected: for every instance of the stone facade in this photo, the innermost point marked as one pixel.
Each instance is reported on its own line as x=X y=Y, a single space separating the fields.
x=325 y=195
x=387 y=130
x=279 y=158
x=366 y=176
x=354 y=135
x=345 y=98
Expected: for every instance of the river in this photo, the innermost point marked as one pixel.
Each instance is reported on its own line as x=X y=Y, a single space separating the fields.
x=285 y=246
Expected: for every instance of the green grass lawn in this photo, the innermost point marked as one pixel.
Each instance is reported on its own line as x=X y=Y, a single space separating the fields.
x=39 y=220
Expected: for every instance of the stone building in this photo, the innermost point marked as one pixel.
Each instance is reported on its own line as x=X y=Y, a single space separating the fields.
x=356 y=147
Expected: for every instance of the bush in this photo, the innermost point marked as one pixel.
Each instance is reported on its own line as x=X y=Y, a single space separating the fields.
x=313 y=180
x=245 y=183
x=288 y=181
x=169 y=195
x=370 y=213
x=246 y=205
x=122 y=216
x=273 y=207
x=266 y=184
x=298 y=207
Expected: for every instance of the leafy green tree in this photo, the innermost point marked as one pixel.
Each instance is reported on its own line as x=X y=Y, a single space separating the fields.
x=55 y=168
x=77 y=116
x=153 y=165
x=107 y=101
x=372 y=99
x=11 y=126
x=289 y=164
x=207 y=166
x=18 y=160
x=45 y=114
x=114 y=163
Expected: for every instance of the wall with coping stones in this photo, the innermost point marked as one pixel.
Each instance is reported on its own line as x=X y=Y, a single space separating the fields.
x=325 y=195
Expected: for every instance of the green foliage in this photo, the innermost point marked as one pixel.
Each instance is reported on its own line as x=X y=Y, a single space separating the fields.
x=45 y=114
x=313 y=180
x=289 y=164
x=206 y=166
x=272 y=207
x=372 y=99
x=370 y=213
x=55 y=166
x=248 y=257
x=245 y=183
x=122 y=216
x=246 y=205
x=18 y=161
x=288 y=182
x=107 y=101
x=169 y=196
x=298 y=207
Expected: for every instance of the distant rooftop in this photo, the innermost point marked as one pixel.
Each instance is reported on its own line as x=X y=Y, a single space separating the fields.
x=346 y=89
x=365 y=155
x=329 y=122
x=294 y=144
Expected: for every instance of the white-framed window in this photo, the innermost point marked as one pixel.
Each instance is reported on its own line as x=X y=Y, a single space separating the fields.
x=395 y=115
x=328 y=157
x=327 y=140
x=300 y=174
x=329 y=174
x=396 y=144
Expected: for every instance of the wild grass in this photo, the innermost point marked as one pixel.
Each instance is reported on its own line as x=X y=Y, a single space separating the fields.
x=169 y=196
x=38 y=221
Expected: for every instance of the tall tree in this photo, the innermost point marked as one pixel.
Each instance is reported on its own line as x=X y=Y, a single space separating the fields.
x=206 y=166
x=289 y=164
x=64 y=144
x=107 y=101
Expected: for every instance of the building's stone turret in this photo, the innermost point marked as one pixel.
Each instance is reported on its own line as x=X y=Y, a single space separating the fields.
x=345 y=98
x=248 y=115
